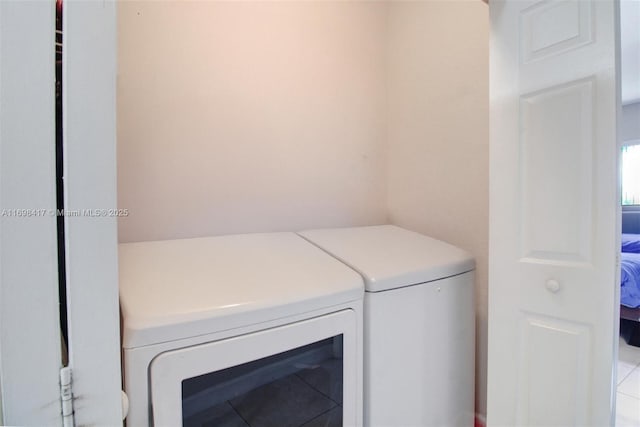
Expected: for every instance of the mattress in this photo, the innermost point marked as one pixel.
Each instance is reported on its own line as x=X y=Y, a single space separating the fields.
x=630 y=243
x=630 y=279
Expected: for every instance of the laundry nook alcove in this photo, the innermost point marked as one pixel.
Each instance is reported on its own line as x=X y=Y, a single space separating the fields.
x=264 y=149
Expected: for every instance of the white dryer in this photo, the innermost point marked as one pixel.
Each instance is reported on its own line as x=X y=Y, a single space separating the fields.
x=419 y=325
x=256 y=329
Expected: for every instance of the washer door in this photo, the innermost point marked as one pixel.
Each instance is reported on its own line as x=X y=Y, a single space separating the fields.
x=289 y=375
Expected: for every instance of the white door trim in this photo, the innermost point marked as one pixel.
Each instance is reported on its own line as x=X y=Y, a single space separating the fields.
x=29 y=314
x=89 y=114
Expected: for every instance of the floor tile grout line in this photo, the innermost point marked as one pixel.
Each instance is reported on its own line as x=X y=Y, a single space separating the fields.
x=635 y=362
x=629 y=395
x=319 y=415
x=632 y=356
x=624 y=378
x=310 y=385
x=635 y=365
x=627 y=377
x=238 y=413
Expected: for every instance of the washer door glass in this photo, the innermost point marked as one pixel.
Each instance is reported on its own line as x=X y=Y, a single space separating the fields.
x=303 y=373
x=292 y=388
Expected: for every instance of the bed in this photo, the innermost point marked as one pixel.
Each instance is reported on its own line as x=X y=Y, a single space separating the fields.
x=630 y=288
x=630 y=271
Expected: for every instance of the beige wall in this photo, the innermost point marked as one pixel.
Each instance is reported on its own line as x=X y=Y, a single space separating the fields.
x=438 y=134
x=258 y=116
x=249 y=116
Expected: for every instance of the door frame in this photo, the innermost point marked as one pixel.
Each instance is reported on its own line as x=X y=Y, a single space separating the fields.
x=91 y=233
x=30 y=355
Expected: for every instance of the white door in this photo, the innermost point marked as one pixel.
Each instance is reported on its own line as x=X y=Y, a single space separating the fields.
x=554 y=213
x=91 y=237
x=29 y=318
x=30 y=338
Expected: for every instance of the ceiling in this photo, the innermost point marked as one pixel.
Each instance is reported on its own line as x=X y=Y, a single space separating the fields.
x=630 y=50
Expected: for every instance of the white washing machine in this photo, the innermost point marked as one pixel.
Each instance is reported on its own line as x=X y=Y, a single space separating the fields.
x=256 y=329
x=419 y=328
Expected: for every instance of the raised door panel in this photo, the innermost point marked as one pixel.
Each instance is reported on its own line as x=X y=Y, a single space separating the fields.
x=556 y=155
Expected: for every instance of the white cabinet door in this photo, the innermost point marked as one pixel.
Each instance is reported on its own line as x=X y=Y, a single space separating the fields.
x=29 y=316
x=89 y=114
x=554 y=213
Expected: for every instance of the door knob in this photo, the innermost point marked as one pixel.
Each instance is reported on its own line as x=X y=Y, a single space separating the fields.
x=553 y=285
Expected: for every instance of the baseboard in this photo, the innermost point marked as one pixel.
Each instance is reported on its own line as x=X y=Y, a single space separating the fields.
x=481 y=421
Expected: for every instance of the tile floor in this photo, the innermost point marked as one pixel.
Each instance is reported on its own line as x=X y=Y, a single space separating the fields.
x=311 y=397
x=628 y=398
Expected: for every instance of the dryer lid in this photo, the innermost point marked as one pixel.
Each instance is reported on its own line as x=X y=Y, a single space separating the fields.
x=177 y=289
x=390 y=257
